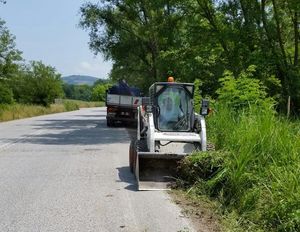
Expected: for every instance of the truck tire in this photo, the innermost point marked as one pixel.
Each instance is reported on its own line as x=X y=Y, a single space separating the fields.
x=109 y=123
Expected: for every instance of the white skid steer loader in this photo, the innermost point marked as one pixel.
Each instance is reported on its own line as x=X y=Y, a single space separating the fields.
x=168 y=129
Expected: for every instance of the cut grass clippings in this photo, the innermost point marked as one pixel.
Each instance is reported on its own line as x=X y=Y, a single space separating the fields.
x=200 y=210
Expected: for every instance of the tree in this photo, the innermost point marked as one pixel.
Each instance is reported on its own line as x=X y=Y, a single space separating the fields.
x=199 y=39
x=40 y=84
x=82 y=92
x=68 y=90
x=9 y=58
x=35 y=83
x=9 y=55
x=243 y=91
x=244 y=33
x=99 y=92
x=100 y=82
x=132 y=34
x=78 y=92
x=6 y=95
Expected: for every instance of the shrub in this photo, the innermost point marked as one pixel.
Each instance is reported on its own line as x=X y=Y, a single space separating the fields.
x=243 y=91
x=6 y=94
x=99 y=92
x=70 y=105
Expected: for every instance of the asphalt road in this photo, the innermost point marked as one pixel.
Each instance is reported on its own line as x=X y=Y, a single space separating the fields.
x=69 y=172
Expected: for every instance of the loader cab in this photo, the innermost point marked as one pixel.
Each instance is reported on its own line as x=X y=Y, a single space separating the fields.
x=172 y=106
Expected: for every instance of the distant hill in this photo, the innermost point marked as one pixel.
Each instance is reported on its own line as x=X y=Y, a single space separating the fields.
x=80 y=80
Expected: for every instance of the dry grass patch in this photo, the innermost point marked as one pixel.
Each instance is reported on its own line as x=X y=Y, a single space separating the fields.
x=19 y=111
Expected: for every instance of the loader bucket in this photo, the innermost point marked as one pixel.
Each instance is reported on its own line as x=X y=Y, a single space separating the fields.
x=156 y=171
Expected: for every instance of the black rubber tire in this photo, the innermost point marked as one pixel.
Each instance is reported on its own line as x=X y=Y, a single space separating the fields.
x=109 y=123
x=131 y=155
x=135 y=146
x=136 y=149
x=142 y=145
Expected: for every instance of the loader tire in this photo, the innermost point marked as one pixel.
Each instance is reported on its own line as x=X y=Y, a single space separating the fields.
x=141 y=145
x=135 y=147
x=131 y=155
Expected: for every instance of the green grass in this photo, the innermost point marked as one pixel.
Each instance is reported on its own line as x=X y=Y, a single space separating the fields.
x=254 y=173
x=19 y=111
x=85 y=104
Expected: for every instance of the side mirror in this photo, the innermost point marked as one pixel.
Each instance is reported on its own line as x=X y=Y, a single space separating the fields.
x=204 y=107
x=146 y=104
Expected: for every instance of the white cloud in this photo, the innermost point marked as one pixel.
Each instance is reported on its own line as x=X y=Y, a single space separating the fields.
x=87 y=66
x=96 y=67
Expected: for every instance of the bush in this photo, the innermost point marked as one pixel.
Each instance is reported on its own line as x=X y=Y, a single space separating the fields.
x=70 y=105
x=6 y=94
x=243 y=91
x=99 y=92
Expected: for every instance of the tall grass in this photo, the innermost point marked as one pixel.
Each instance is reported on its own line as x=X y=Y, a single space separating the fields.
x=18 y=111
x=255 y=172
x=85 y=104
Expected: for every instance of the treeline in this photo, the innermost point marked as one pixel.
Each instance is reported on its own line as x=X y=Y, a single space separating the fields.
x=34 y=82
x=21 y=82
x=96 y=92
x=193 y=39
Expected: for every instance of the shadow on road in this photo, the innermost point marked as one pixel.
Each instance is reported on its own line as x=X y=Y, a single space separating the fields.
x=127 y=177
x=91 y=116
x=77 y=132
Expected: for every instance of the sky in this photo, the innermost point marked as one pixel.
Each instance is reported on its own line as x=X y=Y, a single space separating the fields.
x=48 y=31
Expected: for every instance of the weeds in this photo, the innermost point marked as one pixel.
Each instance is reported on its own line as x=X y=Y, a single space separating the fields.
x=254 y=173
x=70 y=105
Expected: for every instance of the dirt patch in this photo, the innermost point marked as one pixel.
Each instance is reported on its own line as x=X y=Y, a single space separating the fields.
x=199 y=211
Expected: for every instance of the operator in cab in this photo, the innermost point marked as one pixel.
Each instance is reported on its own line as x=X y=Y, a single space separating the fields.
x=171 y=107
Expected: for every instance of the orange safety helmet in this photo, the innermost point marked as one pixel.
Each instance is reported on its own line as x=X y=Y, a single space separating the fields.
x=170 y=79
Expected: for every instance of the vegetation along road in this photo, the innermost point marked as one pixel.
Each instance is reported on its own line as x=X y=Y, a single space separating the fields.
x=69 y=172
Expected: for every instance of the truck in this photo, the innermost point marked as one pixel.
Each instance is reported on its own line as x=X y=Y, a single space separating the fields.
x=121 y=103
